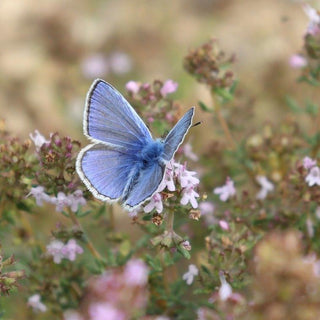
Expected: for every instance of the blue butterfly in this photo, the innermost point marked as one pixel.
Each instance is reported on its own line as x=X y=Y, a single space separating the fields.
x=123 y=163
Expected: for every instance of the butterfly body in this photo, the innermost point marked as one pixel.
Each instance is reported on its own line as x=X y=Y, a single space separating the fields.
x=152 y=152
x=124 y=162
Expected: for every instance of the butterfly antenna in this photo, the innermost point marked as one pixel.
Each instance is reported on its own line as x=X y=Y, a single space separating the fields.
x=196 y=124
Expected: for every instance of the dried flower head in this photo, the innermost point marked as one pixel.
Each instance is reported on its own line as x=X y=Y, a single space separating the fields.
x=207 y=64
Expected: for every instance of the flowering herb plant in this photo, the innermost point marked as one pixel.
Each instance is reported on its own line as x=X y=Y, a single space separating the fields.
x=231 y=233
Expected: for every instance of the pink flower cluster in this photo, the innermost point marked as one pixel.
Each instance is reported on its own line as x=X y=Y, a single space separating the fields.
x=98 y=65
x=35 y=303
x=61 y=201
x=38 y=139
x=58 y=250
x=175 y=174
x=226 y=191
x=266 y=187
x=168 y=87
x=191 y=274
x=314 y=19
x=119 y=294
x=313 y=177
x=297 y=61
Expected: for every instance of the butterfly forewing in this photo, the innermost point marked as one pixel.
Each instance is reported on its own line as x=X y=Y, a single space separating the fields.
x=104 y=171
x=109 y=118
x=177 y=134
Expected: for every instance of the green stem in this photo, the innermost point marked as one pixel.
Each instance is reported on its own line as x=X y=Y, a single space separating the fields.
x=111 y=217
x=88 y=242
x=223 y=123
x=170 y=220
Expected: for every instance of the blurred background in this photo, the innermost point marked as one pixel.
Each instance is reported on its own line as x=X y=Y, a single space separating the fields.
x=52 y=50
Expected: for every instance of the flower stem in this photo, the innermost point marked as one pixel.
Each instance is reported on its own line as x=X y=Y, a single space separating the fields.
x=223 y=123
x=111 y=217
x=88 y=242
x=170 y=220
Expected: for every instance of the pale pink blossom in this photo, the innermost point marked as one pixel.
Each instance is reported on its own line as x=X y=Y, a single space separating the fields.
x=105 y=311
x=76 y=200
x=189 y=276
x=266 y=187
x=71 y=249
x=318 y=212
x=35 y=303
x=155 y=203
x=39 y=194
x=61 y=201
x=225 y=290
x=168 y=181
x=95 y=66
x=224 y=225
x=186 y=245
x=120 y=63
x=72 y=315
x=313 y=178
x=315 y=263
x=185 y=177
x=54 y=249
x=314 y=19
x=169 y=117
x=134 y=212
x=226 y=191
x=38 y=139
x=58 y=250
x=187 y=151
x=308 y=163
x=297 y=61
x=136 y=273
x=206 y=207
x=189 y=195
x=207 y=211
x=204 y=314
x=133 y=86
x=310 y=227
x=168 y=87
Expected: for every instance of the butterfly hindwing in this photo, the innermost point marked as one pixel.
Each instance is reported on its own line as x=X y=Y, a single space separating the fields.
x=109 y=118
x=104 y=170
x=177 y=134
x=145 y=186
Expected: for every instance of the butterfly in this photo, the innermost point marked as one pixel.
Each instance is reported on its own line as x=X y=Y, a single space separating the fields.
x=123 y=163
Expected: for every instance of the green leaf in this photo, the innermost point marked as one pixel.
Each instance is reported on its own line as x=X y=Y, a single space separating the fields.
x=205 y=269
x=312 y=108
x=184 y=252
x=125 y=247
x=101 y=211
x=309 y=80
x=292 y=104
x=147 y=217
x=83 y=214
x=224 y=94
x=234 y=86
x=23 y=206
x=204 y=107
x=154 y=263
